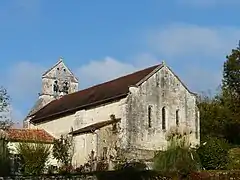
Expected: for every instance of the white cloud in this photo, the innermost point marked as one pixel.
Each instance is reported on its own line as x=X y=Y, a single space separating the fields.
x=97 y=71
x=183 y=40
x=197 y=52
x=24 y=79
x=176 y=42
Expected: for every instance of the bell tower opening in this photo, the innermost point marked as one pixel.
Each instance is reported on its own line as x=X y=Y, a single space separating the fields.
x=58 y=81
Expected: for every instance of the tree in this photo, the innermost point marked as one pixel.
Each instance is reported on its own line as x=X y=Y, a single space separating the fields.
x=5 y=122
x=4 y=155
x=230 y=98
x=231 y=73
x=34 y=156
x=63 y=150
x=214 y=117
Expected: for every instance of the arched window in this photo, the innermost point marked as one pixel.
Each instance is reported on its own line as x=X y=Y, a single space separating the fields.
x=149 y=116
x=177 y=117
x=196 y=123
x=163 y=118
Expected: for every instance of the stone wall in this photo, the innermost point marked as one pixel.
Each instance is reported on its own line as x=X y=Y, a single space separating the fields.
x=85 y=143
x=54 y=177
x=162 y=90
x=140 y=132
x=59 y=71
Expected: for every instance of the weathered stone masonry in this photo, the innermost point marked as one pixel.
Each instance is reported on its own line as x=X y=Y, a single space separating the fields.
x=148 y=102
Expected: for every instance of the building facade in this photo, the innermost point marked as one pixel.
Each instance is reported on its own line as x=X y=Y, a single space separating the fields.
x=126 y=117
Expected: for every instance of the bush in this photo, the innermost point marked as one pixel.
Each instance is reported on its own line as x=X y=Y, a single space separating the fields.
x=63 y=150
x=234 y=158
x=34 y=157
x=214 y=153
x=131 y=165
x=5 y=163
x=179 y=158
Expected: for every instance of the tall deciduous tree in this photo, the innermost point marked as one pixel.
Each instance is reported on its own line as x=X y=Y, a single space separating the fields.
x=63 y=150
x=231 y=95
x=5 y=121
x=231 y=73
x=220 y=114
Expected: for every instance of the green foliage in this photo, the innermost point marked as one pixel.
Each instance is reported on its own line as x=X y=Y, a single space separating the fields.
x=214 y=153
x=5 y=163
x=5 y=122
x=179 y=158
x=213 y=117
x=231 y=72
x=4 y=99
x=34 y=157
x=234 y=159
x=131 y=165
x=219 y=115
x=63 y=150
x=220 y=118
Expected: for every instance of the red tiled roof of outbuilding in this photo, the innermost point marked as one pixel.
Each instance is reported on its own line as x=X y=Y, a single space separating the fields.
x=29 y=135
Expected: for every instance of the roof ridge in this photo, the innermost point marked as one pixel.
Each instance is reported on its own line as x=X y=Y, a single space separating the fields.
x=25 y=129
x=99 y=93
x=58 y=62
x=100 y=84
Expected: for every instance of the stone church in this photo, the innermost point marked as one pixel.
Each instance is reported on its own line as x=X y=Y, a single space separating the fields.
x=128 y=116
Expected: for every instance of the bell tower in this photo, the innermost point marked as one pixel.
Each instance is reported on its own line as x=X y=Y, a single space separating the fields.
x=58 y=81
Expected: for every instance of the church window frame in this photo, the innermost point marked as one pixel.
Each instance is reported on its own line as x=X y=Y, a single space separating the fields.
x=164 y=118
x=177 y=117
x=150 y=116
x=196 y=124
x=105 y=151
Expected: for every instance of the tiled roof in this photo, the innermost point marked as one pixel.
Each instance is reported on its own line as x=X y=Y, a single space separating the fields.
x=96 y=95
x=29 y=135
x=93 y=127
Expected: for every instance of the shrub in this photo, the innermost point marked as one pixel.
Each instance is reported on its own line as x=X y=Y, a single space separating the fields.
x=214 y=153
x=63 y=150
x=5 y=162
x=131 y=165
x=234 y=158
x=34 y=157
x=179 y=158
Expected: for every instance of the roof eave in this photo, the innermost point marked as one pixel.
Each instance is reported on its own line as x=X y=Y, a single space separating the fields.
x=62 y=113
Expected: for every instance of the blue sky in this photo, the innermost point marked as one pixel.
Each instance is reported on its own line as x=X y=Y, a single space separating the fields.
x=101 y=40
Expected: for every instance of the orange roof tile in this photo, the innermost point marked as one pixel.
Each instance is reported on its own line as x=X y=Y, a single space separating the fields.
x=38 y=135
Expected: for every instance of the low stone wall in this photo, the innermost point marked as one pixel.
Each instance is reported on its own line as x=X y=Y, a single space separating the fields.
x=107 y=175
x=54 y=177
x=131 y=175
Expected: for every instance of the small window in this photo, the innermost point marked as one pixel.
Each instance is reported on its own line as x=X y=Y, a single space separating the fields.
x=157 y=80
x=149 y=116
x=163 y=118
x=177 y=117
x=104 y=152
x=196 y=124
x=162 y=82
